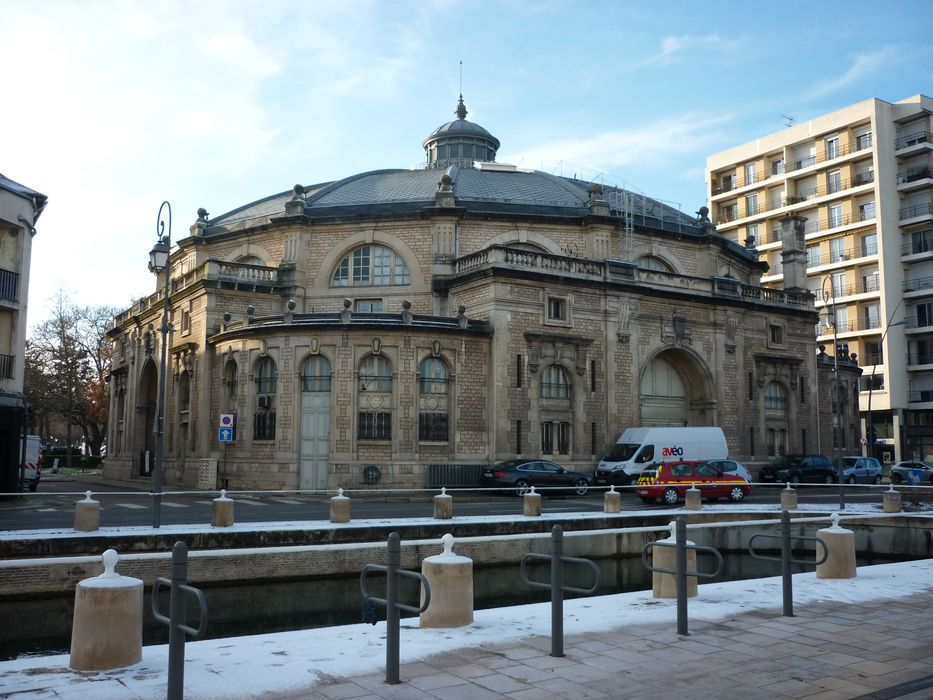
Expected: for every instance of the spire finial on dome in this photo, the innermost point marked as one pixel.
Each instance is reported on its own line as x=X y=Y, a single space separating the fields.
x=461 y=108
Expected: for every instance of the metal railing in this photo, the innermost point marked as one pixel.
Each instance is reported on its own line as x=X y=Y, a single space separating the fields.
x=918 y=284
x=912 y=140
x=915 y=211
x=920 y=242
x=6 y=366
x=9 y=285
x=914 y=174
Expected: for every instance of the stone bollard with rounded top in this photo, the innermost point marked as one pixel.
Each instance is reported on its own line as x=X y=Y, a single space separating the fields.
x=450 y=577
x=87 y=514
x=692 y=498
x=665 y=585
x=223 y=511
x=840 y=547
x=612 y=501
x=340 y=508
x=891 y=500
x=107 y=628
x=531 y=503
x=443 y=505
x=788 y=498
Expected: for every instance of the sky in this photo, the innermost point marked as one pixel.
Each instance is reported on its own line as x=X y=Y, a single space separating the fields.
x=112 y=108
x=226 y=668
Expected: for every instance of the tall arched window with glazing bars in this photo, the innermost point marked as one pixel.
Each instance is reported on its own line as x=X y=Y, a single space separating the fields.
x=555 y=397
x=266 y=378
x=374 y=396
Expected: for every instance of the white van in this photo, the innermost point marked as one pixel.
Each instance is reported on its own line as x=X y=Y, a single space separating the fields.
x=636 y=448
x=30 y=470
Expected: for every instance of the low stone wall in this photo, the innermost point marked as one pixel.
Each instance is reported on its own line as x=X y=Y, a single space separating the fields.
x=902 y=536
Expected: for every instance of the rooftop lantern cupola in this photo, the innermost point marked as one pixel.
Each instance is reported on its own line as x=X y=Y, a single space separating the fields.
x=459 y=142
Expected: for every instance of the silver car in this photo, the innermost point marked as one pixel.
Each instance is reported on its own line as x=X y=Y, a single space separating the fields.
x=731 y=467
x=911 y=473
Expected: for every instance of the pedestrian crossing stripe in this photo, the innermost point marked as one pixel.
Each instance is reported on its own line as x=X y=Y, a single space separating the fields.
x=171 y=504
x=130 y=505
x=288 y=501
x=251 y=502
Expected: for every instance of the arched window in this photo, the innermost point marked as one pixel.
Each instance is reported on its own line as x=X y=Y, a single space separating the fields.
x=653 y=263
x=775 y=398
x=231 y=378
x=555 y=384
x=371 y=266
x=433 y=412
x=266 y=383
x=316 y=374
x=375 y=399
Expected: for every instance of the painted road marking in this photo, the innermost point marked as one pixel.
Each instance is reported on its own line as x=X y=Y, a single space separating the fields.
x=288 y=501
x=130 y=505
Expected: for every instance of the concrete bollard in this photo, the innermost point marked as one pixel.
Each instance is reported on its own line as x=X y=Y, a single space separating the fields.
x=107 y=628
x=612 y=501
x=87 y=514
x=223 y=511
x=692 y=499
x=840 y=544
x=340 y=508
x=451 y=579
x=443 y=505
x=531 y=503
x=665 y=585
x=891 y=500
x=789 y=498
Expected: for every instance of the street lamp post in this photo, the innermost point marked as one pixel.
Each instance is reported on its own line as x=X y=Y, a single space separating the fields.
x=159 y=262
x=837 y=433
x=871 y=378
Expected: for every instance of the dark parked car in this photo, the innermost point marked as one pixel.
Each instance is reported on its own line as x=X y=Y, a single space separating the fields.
x=522 y=474
x=912 y=473
x=795 y=469
x=861 y=470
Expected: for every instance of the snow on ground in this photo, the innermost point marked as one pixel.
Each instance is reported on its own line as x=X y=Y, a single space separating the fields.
x=292 y=661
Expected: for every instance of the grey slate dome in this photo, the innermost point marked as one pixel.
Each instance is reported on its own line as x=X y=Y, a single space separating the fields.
x=459 y=142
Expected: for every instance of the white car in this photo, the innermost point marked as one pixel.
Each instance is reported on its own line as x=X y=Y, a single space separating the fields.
x=730 y=466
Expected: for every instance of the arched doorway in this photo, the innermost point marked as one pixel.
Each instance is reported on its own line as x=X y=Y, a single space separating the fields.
x=147 y=394
x=314 y=452
x=674 y=391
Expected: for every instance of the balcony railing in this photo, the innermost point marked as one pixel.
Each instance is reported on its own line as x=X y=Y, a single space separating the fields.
x=871 y=359
x=920 y=242
x=865 y=286
x=918 y=322
x=837 y=256
x=6 y=366
x=9 y=285
x=912 y=140
x=920 y=358
x=916 y=210
x=920 y=395
x=914 y=174
x=918 y=284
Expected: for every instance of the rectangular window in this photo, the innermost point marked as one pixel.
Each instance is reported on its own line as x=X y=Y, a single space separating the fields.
x=518 y=437
x=374 y=426
x=264 y=424
x=751 y=235
x=729 y=212
x=547 y=438
x=751 y=177
x=837 y=251
x=519 y=370
x=802 y=388
x=593 y=438
x=871 y=282
x=870 y=244
x=751 y=389
x=835 y=216
x=751 y=205
x=727 y=182
x=839 y=284
x=862 y=142
x=777 y=166
x=866 y=211
x=433 y=427
x=563 y=438
x=361 y=266
x=367 y=306
x=803 y=440
x=593 y=375
x=556 y=309
x=776 y=334
x=382 y=266
x=751 y=441
x=813 y=255
x=832 y=147
x=834 y=181
x=924 y=315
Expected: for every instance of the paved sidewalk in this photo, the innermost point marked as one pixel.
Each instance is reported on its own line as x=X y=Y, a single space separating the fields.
x=829 y=651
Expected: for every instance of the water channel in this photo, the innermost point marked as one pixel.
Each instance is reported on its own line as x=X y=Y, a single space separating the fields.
x=43 y=626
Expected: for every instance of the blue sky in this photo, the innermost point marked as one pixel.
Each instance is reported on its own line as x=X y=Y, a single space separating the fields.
x=113 y=107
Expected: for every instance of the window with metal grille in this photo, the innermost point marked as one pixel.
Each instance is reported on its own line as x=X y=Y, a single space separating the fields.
x=433 y=427
x=433 y=420
x=264 y=424
x=374 y=426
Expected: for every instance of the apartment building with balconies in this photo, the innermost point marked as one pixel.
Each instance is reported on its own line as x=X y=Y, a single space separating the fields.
x=20 y=208
x=862 y=178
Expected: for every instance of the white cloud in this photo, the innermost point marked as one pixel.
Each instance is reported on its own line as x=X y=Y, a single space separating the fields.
x=673 y=47
x=241 y=53
x=863 y=66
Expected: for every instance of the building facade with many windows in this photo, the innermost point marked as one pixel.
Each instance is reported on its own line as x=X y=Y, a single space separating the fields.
x=383 y=327
x=861 y=181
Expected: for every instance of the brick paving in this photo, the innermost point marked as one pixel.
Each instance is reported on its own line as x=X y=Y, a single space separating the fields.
x=829 y=651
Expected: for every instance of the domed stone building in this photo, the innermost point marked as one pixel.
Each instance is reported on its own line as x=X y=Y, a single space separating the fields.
x=400 y=327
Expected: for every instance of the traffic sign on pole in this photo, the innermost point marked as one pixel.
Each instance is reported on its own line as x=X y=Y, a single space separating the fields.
x=225 y=434
x=227 y=420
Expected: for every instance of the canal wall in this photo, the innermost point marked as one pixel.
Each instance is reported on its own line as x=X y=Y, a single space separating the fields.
x=900 y=536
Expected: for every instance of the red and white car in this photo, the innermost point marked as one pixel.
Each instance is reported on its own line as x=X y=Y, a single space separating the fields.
x=669 y=482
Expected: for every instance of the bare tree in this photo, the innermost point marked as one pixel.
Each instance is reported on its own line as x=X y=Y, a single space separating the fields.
x=68 y=360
